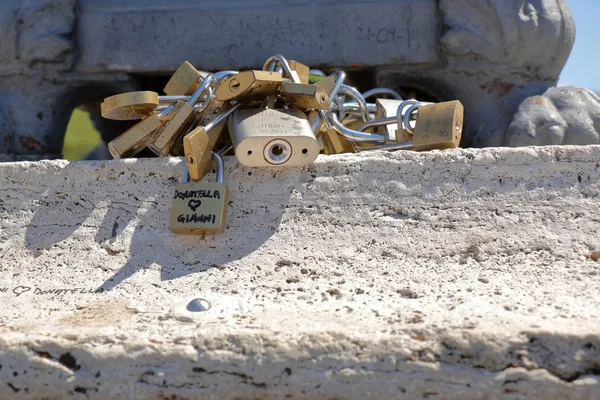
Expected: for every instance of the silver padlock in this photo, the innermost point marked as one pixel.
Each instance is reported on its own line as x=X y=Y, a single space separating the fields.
x=273 y=137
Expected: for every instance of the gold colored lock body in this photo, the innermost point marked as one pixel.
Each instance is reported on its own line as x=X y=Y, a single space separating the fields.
x=249 y=86
x=304 y=97
x=183 y=116
x=135 y=138
x=387 y=108
x=214 y=109
x=327 y=84
x=272 y=137
x=402 y=136
x=329 y=140
x=301 y=69
x=334 y=143
x=198 y=144
x=199 y=208
x=439 y=126
x=129 y=106
x=184 y=81
x=208 y=114
x=197 y=148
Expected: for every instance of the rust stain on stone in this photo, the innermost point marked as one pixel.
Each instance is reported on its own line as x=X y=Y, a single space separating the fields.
x=501 y=88
x=30 y=143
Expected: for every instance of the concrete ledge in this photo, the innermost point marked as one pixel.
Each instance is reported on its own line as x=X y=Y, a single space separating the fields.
x=462 y=274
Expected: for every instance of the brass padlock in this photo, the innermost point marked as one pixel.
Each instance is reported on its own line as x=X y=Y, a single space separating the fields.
x=280 y=64
x=207 y=114
x=273 y=137
x=137 y=137
x=304 y=97
x=129 y=106
x=184 y=81
x=200 y=208
x=333 y=143
x=302 y=70
x=438 y=126
x=329 y=140
x=327 y=84
x=248 y=86
x=198 y=144
x=182 y=117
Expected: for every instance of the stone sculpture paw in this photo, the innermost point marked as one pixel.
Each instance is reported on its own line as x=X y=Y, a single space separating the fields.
x=563 y=115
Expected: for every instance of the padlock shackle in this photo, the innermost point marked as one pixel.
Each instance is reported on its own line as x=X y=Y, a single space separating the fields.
x=356 y=95
x=405 y=111
x=352 y=107
x=206 y=82
x=268 y=66
x=315 y=120
x=387 y=146
x=351 y=134
x=165 y=111
x=222 y=117
x=338 y=77
x=220 y=166
x=222 y=75
x=163 y=107
x=407 y=116
x=381 y=90
x=173 y=99
x=376 y=122
x=402 y=111
x=325 y=119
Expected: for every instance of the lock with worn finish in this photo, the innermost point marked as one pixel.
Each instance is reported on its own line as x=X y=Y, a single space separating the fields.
x=138 y=136
x=200 y=208
x=183 y=117
x=329 y=140
x=272 y=137
x=302 y=70
x=129 y=106
x=387 y=108
x=198 y=144
x=438 y=126
x=184 y=81
x=304 y=97
x=248 y=86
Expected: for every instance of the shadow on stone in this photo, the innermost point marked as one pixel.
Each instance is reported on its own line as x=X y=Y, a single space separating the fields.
x=135 y=219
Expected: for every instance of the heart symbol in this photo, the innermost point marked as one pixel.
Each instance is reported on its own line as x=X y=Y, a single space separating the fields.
x=194 y=204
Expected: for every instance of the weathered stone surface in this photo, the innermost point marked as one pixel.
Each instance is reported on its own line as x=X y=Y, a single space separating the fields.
x=462 y=274
x=560 y=116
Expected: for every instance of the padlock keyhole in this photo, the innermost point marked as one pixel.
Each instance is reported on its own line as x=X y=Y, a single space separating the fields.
x=277 y=150
x=234 y=85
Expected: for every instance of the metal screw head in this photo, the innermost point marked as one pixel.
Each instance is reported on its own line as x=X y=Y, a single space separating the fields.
x=198 y=305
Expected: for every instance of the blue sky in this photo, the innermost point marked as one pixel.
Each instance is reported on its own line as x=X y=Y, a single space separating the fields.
x=583 y=67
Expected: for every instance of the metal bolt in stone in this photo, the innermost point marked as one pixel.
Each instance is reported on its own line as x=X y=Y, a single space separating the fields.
x=198 y=305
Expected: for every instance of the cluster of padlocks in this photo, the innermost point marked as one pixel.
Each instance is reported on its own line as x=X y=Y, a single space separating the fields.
x=284 y=115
